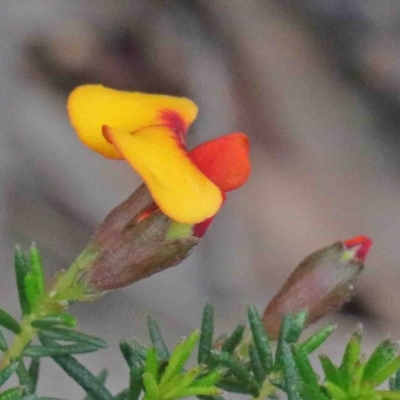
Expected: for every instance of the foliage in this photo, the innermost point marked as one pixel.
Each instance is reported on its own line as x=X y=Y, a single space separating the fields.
x=245 y=361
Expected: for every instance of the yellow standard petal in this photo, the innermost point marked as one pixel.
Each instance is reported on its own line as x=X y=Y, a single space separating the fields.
x=92 y=106
x=178 y=187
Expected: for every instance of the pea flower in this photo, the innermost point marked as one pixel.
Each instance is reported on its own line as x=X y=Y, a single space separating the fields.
x=320 y=284
x=158 y=225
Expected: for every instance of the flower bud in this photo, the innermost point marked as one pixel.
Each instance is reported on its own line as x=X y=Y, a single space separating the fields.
x=135 y=241
x=320 y=284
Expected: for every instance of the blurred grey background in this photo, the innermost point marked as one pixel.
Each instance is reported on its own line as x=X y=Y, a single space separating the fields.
x=316 y=86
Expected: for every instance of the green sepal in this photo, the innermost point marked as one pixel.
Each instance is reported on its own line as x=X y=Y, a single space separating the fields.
x=179 y=357
x=239 y=370
x=260 y=338
x=206 y=336
x=69 y=335
x=7 y=372
x=21 y=270
x=234 y=339
x=55 y=319
x=382 y=355
x=9 y=322
x=316 y=340
x=157 y=339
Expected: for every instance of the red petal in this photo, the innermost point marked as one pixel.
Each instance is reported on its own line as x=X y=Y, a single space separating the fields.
x=225 y=160
x=363 y=243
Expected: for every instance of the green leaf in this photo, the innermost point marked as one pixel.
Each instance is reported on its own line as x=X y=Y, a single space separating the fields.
x=102 y=378
x=122 y=395
x=332 y=373
x=351 y=357
x=210 y=379
x=305 y=369
x=287 y=325
x=3 y=342
x=157 y=339
x=56 y=350
x=34 y=397
x=384 y=353
x=37 y=270
x=179 y=357
x=8 y=322
x=11 y=394
x=394 y=383
x=234 y=339
x=69 y=335
x=184 y=382
x=135 y=381
x=238 y=369
x=291 y=378
x=132 y=352
x=233 y=386
x=150 y=387
x=207 y=332
x=316 y=340
x=255 y=363
x=55 y=319
x=151 y=365
x=6 y=373
x=260 y=338
x=34 y=368
x=311 y=393
x=25 y=379
x=388 y=370
x=385 y=395
x=21 y=270
x=197 y=391
x=81 y=375
x=335 y=392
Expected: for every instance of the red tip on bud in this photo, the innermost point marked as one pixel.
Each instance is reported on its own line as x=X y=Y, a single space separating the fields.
x=361 y=246
x=321 y=283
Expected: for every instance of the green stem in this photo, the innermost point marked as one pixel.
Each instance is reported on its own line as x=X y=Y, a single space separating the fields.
x=47 y=307
x=67 y=287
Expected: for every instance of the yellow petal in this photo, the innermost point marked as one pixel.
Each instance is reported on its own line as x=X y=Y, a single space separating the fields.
x=178 y=187
x=92 y=106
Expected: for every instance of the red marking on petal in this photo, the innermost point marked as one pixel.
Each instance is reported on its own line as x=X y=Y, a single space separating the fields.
x=174 y=121
x=363 y=244
x=225 y=160
x=147 y=212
